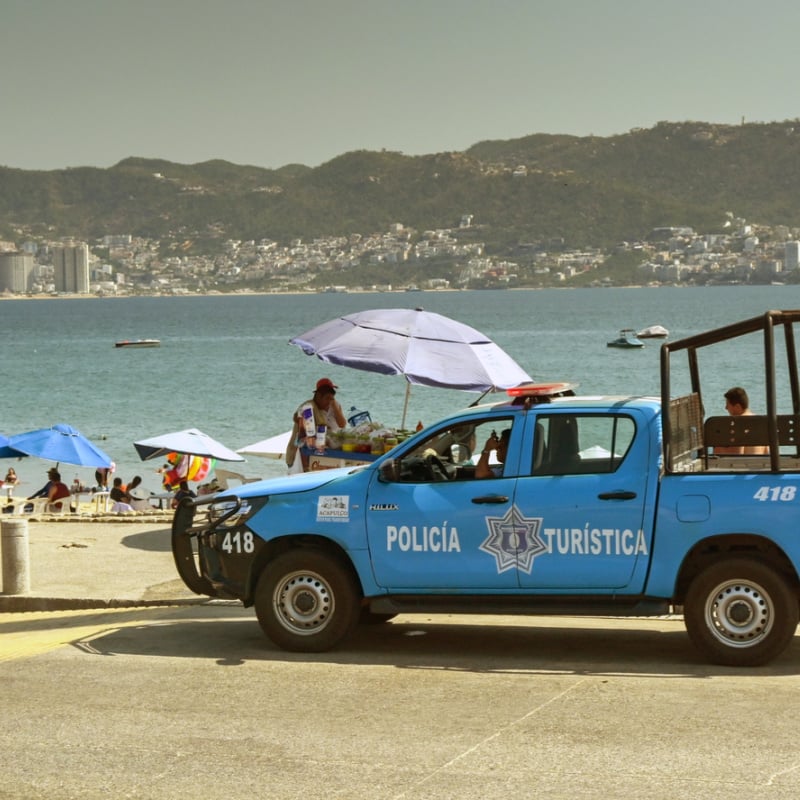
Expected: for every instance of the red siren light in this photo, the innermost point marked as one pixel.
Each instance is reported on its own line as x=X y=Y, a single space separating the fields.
x=541 y=389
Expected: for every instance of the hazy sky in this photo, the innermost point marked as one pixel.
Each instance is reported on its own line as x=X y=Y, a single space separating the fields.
x=273 y=82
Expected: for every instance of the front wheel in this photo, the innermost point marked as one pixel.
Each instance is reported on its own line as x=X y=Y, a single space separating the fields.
x=307 y=601
x=740 y=612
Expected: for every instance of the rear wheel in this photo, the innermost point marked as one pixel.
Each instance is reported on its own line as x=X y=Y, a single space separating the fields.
x=740 y=612
x=307 y=601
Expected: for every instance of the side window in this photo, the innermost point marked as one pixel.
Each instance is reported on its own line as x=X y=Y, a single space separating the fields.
x=579 y=444
x=449 y=454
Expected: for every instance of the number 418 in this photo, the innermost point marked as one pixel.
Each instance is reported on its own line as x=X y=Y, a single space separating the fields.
x=774 y=493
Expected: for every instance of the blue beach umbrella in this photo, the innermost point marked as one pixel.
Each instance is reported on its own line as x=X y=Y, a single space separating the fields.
x=60 y=443
x=6 y=451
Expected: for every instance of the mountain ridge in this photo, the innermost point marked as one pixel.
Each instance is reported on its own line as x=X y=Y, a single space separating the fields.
x=589 y=191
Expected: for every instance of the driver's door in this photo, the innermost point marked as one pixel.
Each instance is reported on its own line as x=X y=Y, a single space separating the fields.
x=425 y=533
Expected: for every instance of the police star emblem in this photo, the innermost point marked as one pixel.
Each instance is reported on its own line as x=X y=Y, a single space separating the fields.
x=513 y=540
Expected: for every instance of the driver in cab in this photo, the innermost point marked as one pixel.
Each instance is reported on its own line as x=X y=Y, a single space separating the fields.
x=498 y=445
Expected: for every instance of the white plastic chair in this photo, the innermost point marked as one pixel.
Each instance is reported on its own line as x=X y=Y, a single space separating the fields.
x=224 y=477
x=16 y=505
x=100 y=502
x=38 y=505
x=141 y=504
x=62 y=506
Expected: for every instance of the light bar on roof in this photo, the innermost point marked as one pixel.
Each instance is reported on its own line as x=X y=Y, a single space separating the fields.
x=540 y=389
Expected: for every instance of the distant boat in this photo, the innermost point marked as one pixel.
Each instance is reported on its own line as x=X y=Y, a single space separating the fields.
x=627 y=338
x=653 y=332
x=138 y=343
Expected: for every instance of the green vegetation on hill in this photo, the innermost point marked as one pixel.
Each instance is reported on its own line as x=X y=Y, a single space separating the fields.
x=590 y=191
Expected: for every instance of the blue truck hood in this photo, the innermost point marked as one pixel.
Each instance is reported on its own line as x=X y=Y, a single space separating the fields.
x=303 y=482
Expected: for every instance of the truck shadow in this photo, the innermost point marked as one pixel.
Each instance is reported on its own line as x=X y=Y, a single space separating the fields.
x=153 y=541
x=231 y=636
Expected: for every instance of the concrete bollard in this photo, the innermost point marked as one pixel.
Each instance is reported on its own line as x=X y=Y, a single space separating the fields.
x=16 y=556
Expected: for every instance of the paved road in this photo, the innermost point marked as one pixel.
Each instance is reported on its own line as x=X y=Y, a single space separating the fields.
x=185 y=702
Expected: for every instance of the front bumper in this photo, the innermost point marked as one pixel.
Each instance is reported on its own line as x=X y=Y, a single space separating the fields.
x=213 y=547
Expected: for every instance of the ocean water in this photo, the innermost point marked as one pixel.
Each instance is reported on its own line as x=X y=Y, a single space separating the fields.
x=225 y=365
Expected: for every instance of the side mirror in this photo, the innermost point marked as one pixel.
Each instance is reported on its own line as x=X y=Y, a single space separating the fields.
x=459 y=453
x=388 y=471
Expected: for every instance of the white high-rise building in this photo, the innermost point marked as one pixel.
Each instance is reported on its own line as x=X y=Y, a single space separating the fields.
x=791 y=258
x=16 y=270
x=71 y=268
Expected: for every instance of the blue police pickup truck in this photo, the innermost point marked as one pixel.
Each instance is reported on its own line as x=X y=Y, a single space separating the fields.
x=598 y=505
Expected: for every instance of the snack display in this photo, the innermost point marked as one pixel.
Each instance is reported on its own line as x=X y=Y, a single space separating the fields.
x=368 y=438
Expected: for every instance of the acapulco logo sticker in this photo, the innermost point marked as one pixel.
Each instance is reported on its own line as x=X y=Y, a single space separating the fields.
x=514 y=540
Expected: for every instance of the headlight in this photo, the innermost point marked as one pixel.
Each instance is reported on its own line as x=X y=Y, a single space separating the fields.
x=233 y=512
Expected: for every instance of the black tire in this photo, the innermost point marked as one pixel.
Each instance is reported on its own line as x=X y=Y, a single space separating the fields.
x=740 y=612
x=307 y=601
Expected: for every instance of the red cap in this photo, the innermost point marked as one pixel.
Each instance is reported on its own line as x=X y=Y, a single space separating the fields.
x=326 y=383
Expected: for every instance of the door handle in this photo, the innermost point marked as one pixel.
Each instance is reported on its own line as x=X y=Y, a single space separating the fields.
x=490 y=498
x=621 y=495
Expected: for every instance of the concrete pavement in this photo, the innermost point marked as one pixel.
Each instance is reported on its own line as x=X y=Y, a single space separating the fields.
x=86 y=562
x=172 y=703
x=427 y=707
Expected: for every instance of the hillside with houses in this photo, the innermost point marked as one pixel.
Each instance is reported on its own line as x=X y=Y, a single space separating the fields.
x=686 y=203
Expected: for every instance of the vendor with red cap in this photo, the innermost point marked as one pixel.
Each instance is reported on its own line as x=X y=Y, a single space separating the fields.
x=325 y=400
x=327 y=412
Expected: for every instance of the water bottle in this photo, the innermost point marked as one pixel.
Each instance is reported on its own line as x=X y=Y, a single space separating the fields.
x=356 y=417
x=321 y=433
x=308 y=424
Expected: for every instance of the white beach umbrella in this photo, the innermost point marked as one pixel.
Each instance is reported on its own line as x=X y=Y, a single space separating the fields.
x=273 y=447
x=189 y=442
x=426 y=348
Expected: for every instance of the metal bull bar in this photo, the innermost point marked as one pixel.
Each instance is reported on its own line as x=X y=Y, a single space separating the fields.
x=187 y=549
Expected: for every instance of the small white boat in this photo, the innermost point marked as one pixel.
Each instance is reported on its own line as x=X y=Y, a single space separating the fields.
x=138 y=343
x=627 y=338
x=653 y=332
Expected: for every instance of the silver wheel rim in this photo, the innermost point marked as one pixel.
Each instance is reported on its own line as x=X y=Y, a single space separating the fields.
x=739 y=613
x=303 y=603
